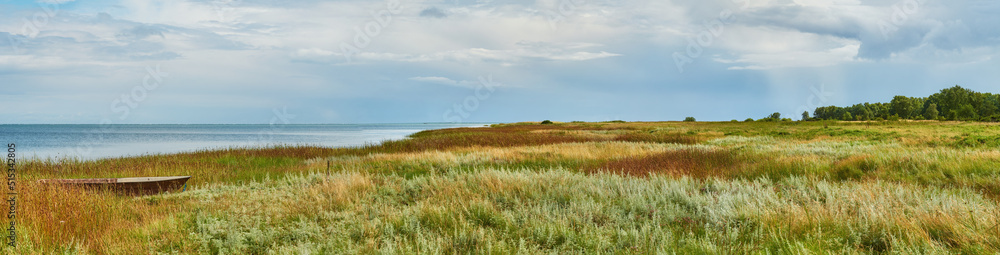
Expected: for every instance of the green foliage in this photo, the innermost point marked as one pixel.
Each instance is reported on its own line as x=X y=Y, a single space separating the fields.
x=956 y=103
x=546 y=122
x=902 y=106
x=775 y=116
x=932 y=112
x=689 y=119
x=824 y=187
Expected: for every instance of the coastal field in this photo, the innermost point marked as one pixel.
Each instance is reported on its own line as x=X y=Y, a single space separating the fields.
x=666 y=187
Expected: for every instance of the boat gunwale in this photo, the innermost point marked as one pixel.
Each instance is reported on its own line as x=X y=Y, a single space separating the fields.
x=116 y=180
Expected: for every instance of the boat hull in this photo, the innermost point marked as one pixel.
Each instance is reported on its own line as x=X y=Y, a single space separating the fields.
x=125 y=186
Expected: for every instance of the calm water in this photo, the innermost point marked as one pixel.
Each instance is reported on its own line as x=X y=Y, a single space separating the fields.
x=95 y=141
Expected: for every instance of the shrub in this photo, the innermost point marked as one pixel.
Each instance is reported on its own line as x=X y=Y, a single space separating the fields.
x=546 y=122
x=748 y=120
x=689 y=119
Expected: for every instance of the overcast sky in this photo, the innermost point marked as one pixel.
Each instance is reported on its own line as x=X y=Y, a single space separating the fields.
x=354 y=61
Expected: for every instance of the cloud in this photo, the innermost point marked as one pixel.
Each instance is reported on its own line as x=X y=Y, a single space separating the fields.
x=458 y=83
x=886 y=29
x=524 y=52
x=616 y=53
x=436 y=80
x=433 y=12
x=315 y=55
x=142 y=31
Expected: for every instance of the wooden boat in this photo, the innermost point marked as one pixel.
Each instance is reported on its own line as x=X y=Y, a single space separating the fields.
x=127 y=186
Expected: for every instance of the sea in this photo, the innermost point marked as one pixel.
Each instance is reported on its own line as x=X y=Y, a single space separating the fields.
x=89 y=142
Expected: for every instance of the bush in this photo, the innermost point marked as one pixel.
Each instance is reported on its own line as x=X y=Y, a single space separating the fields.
x=775 y=116
x=689 y=119
x=546 y=122
x=748 y=120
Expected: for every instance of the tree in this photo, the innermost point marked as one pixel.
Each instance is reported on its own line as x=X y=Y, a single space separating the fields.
x=967 y=112
x=775 y=116
x=689 y=119
x=950 y=100
x=805 y=115
x=546 y=122
x=932 y=112
x=985 y=103
x=954 y=103
x=865 y=115
x=901 y=106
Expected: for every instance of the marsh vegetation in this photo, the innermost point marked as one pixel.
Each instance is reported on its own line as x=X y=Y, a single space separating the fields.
x=727 y=187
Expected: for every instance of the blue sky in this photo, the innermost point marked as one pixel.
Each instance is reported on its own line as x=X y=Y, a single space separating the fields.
x=351 y=61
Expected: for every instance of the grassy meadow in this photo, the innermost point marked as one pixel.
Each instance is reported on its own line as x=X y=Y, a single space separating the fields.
x=923 y=187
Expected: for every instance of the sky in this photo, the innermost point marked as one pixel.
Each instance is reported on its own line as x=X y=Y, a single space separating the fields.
x=398 y=61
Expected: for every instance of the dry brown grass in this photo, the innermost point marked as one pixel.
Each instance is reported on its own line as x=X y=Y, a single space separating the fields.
x=873 y=177
x=661 y=138
x=101 y=222
x=686 y=162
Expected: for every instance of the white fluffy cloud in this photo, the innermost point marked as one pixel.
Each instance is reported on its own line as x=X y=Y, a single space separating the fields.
x=268 y=48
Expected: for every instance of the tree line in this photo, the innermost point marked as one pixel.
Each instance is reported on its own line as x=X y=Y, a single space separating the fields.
x=955 y=103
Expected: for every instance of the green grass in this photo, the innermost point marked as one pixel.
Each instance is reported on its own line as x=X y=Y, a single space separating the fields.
x=640 y=188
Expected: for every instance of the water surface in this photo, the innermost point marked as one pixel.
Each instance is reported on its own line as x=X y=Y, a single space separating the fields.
x=97 y=141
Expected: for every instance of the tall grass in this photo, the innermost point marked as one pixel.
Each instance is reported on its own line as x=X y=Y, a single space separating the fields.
x=55 y=219
x=505 y=211
x=816 y=187
x=687 y=162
